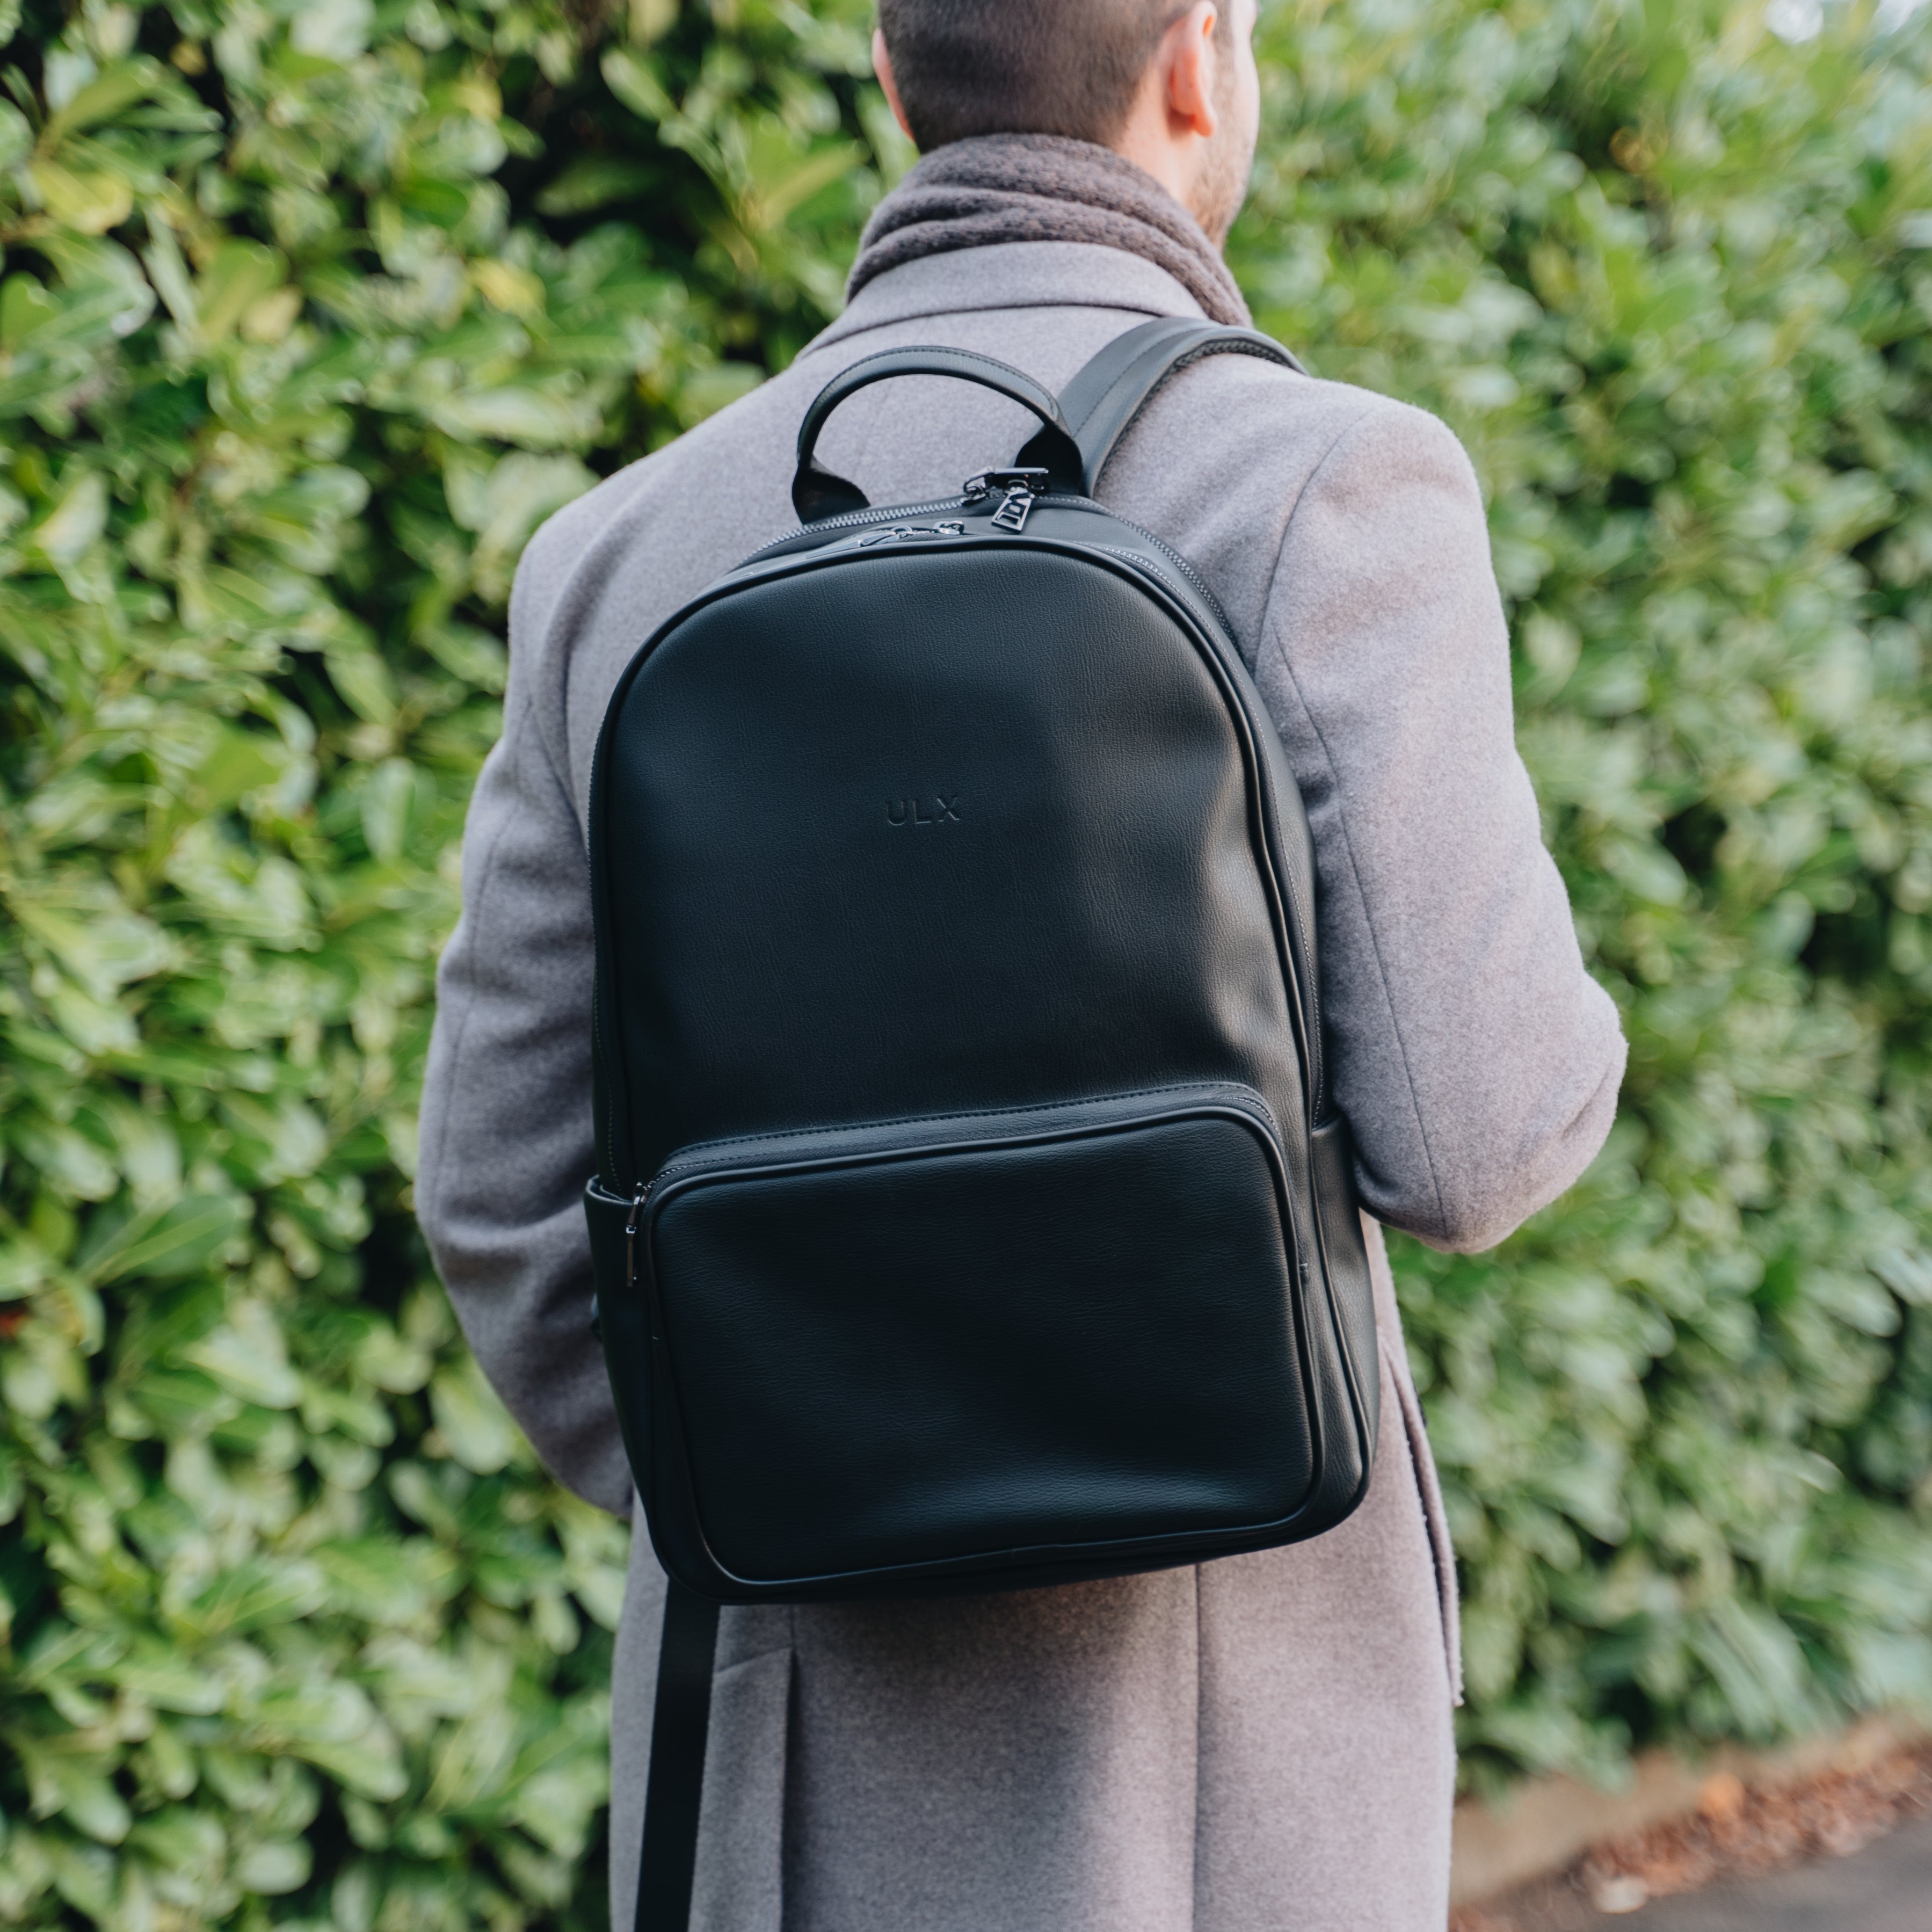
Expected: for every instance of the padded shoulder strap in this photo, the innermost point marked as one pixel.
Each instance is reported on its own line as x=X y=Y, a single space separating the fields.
x=1105 y=398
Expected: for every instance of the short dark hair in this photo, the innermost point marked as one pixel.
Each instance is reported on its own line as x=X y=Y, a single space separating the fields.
x=1023 y=66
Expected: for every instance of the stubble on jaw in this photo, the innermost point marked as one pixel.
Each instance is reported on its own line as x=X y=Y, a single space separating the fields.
x=1223 y=184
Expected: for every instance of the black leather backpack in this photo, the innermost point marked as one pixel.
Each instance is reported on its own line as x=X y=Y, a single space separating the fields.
x=971 y=1212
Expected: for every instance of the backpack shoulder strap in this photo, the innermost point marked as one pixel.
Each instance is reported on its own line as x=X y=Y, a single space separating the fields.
x=1102 y=401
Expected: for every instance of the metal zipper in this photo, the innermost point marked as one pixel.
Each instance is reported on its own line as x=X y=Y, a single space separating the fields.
x=638 y=1200
x=727 y=1153
x=852 y=519
x=1180 y=563
x=857 y=519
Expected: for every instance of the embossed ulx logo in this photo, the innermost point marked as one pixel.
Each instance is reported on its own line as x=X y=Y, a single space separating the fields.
x=913 y=812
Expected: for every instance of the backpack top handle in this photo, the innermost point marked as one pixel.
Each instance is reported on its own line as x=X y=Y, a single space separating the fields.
x=816 y=494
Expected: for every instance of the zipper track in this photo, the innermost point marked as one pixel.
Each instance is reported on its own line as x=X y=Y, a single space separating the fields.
x=854 y=519
x=604 y=1131
x=858 y=519
x=1205 y=1096
x=1180 y=563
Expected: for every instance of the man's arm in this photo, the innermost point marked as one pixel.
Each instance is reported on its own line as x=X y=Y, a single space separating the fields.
x=506 y=1141
x=1477 y=1063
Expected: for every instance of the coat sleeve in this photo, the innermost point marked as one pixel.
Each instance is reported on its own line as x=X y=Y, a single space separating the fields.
x=1476 y=1061
x=506 y=1137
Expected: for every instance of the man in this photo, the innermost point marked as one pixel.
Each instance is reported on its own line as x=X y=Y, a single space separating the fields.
x=1256 y=1744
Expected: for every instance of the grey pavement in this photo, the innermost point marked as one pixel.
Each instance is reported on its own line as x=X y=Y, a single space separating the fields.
x=1885 y=1887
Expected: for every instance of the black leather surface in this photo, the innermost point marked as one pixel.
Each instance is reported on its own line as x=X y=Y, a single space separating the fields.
x=1085 y=1341
x=910 y=820
x=1070 y=906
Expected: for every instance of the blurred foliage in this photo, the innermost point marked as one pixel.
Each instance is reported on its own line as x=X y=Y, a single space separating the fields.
x=310 y=311
x=1668 y=277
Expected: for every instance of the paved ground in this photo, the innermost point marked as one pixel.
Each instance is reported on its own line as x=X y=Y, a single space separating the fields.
x=1885 y=1887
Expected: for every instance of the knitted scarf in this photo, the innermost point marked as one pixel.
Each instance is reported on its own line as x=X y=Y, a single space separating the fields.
x=1042 y=187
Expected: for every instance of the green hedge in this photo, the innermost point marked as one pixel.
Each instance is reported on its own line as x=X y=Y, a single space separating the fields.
x=1668 y=277
x=310 y=311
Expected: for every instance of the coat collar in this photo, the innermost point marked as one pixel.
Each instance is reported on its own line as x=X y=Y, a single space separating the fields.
x=1011 y=274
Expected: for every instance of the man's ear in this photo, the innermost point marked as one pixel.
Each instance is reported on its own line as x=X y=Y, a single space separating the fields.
x=1190 y=59
x=882 y=66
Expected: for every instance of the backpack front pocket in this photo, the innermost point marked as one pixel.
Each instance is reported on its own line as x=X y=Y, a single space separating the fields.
x=947 y=1345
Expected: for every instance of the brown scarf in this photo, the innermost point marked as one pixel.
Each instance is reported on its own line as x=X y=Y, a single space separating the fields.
x=1042 y=187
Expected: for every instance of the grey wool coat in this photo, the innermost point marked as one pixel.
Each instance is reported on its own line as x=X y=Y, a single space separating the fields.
x=1260 y=1744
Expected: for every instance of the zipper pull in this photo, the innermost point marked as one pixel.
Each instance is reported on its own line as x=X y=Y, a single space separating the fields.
x=1021 y=487
x=975 y=488
x=638 y=1201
